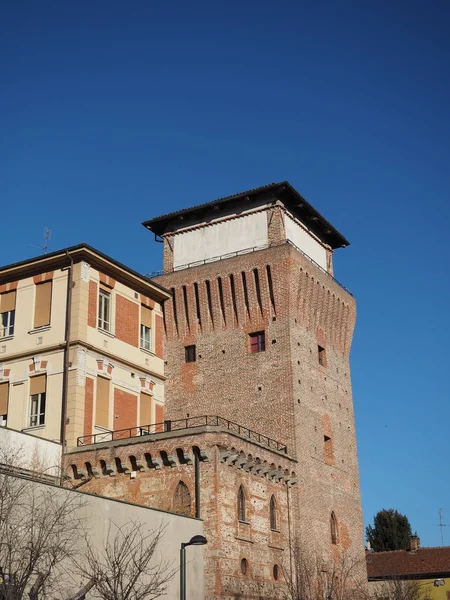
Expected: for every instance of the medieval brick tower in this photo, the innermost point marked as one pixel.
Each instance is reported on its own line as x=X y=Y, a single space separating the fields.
x=259 y=331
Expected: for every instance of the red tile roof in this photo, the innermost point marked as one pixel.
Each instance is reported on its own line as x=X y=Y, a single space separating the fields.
x=423 y=563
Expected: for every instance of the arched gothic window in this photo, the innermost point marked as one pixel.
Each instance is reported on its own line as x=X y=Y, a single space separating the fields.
x=273 y=513
x=182 y=499
x=333 y=528
x=241 y=504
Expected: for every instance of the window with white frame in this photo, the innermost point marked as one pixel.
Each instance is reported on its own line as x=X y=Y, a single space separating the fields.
x=38 y=389
x=146 y=328
x=37 y=409
x=146 y=337
x=7 y=313
x=104 y=310
x=7 y=323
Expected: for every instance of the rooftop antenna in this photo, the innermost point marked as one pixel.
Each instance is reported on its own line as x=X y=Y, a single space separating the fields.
x=441 y=525
x=44 y=246
x=47 y=235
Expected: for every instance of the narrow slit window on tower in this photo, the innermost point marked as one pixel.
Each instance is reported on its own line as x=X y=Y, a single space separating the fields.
x=241 y=504
x=273 y=514
x=258 y=289
x=333 y=528
x=322 y=356
x=197 y=304
x=221 y=298
x=186 y=307
x=270 y=284
x=233 y=297
x=190 y=353
x=244 y=285
x=257 y=341
x=174 y=308
x=209 y=298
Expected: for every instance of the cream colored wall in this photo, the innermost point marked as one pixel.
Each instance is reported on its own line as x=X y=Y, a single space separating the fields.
x=26 y=338
x=19 y=394
x=304 y=240
x=220 y=238
x=108 y=342
x=83 y=359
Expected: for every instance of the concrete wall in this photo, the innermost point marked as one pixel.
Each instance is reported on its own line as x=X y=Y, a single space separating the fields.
x=304 y=240
x=221 y=238
x=96 y=516
x=30 y=452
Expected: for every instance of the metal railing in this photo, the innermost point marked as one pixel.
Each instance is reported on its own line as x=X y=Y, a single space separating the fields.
x=247 y=251
x=179 y=425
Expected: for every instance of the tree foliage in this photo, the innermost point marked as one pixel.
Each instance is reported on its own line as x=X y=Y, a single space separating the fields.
x=390 y=531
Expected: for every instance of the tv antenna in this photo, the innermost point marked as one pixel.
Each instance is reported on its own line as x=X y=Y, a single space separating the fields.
x=441 y=525
x=44 y=246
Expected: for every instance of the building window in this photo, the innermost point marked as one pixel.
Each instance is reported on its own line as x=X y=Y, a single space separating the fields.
x=42 y=304
x=190 y=354
x=146 y=337
x=7 y=313
x=182 y=499
x=146 y=328
x=104 y=310
x=244 y=566
x=38 y=391
x=273 y=513
x=257 y=341
x=276 y=572
x=37 y=409
x=322 y=356
x=333 y=528
x=4 y=394
x=7 y=323
x=241 y=504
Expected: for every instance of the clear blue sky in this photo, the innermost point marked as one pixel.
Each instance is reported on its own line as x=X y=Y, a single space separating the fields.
x=114 y=112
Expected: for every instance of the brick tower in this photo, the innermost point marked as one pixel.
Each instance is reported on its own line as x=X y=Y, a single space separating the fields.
x=259 y=331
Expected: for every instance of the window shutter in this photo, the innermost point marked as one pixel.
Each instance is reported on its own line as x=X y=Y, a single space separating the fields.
x=4 y=393
x=146 y=316
x=145 y=417
x=42 y=304
x=102 y=406
x=7 y=301
x=37 y=385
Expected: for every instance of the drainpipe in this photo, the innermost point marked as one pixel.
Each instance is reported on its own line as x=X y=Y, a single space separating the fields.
x=66 y=360
x=197 y=482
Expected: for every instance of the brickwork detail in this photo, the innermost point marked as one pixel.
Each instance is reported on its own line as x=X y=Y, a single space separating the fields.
x=127 y=321
x=92 y=306
x=125 y=409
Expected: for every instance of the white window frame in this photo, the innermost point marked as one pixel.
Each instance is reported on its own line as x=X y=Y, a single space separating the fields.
x=104 y=302
x=39 y=414
x=7 y=329
x=146 y=337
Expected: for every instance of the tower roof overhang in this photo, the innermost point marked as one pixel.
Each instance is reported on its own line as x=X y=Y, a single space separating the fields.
x=283 y=191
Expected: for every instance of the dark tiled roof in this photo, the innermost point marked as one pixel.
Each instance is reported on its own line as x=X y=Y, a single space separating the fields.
x=424 y=562
x=289 y=195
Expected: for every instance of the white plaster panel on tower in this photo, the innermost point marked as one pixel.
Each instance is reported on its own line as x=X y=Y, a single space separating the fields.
x=306 y=242
x=225 y=237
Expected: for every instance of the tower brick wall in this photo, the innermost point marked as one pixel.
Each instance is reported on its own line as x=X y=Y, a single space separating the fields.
x=298 y=390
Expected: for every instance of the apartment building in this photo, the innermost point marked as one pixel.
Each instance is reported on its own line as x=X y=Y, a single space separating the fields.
x=81 y=346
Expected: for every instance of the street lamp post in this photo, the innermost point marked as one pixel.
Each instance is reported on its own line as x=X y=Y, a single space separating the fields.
x=197 y=540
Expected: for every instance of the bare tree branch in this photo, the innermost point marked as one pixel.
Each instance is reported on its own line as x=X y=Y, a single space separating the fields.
x=125 y=568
